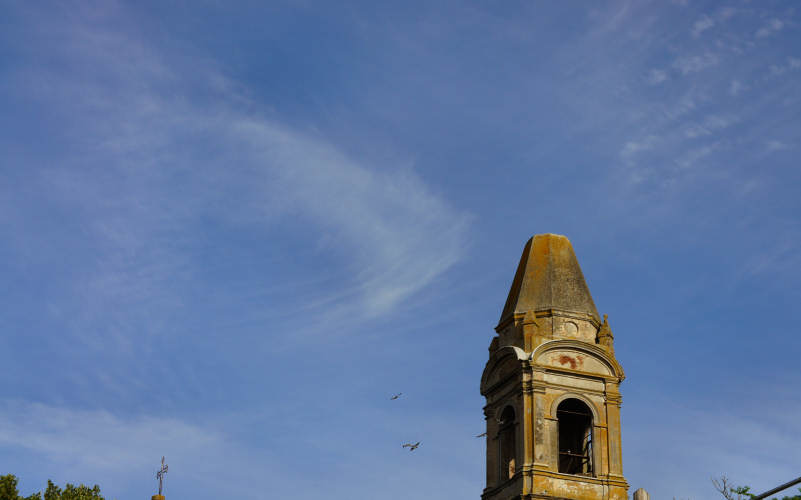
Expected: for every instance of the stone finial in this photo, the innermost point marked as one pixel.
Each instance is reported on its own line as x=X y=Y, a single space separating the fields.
x=605 y=337
x=548 y=277
x=641 y=494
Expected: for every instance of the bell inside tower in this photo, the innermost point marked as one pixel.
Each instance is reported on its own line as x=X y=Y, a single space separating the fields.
x=575 y=437
x=506 y=444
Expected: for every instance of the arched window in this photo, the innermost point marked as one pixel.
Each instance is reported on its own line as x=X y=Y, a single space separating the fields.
x=506 y=444
x=575 y=437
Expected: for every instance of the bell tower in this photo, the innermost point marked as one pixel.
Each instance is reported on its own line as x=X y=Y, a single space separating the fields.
x=552 y=386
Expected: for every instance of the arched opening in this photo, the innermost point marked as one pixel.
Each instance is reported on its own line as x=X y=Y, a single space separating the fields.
x=575 y=437
x=506 y=444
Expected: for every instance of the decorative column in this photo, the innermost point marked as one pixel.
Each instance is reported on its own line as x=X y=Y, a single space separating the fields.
x=613 y=402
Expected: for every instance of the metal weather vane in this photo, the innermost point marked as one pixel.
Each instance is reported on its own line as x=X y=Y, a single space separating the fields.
x=160 y=474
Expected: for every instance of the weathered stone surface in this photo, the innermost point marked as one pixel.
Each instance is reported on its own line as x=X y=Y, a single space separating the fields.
x=552 y=352
x=549 y=277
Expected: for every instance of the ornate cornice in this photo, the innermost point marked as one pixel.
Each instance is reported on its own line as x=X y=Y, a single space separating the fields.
x=579 y=345
x=518 y=318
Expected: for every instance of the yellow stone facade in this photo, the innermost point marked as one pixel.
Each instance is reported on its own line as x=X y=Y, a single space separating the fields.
x=552 y=386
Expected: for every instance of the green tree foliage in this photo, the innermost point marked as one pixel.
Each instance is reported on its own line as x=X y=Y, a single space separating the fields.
x=8 y=491
x=745 y=492
x=731 y=492
x=72 y=492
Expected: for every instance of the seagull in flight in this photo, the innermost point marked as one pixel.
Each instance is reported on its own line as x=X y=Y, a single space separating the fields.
x=483 y=434
x=411 y=446
x=396 y=396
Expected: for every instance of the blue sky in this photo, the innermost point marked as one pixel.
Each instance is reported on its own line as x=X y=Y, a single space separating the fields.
x=233 y=230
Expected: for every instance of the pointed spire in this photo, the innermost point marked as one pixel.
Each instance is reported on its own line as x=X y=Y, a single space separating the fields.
x=549 y=277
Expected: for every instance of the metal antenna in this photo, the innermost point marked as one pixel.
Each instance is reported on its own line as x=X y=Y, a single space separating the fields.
x=160 y=474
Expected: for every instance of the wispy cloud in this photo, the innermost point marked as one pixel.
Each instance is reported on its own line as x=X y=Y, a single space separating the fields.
x=772 y=26
x=71 y=445
x=792 y=64
x=695 y=63
x=97 y=439
x=716 y=440
x=632 y=148
x=711 y=124
x=390 y=221
x=725 y=13
x=692 y=156
x=386 y=231
x=702 y=25
x=656 y=76
x=736 y=87
x=774 y=145
x=121 y=452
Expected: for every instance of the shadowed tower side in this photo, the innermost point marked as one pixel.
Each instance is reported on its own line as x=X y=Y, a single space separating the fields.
x=552 y=386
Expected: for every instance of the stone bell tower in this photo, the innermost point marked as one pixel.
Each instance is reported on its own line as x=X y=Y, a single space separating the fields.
x=552 y=386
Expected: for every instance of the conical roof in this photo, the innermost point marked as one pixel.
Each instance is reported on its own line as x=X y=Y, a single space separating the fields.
x=549 y=277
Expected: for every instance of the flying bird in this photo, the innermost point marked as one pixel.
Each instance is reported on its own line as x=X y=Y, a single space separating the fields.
x=411 y=446
x=481 y=435
x=396 y=396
